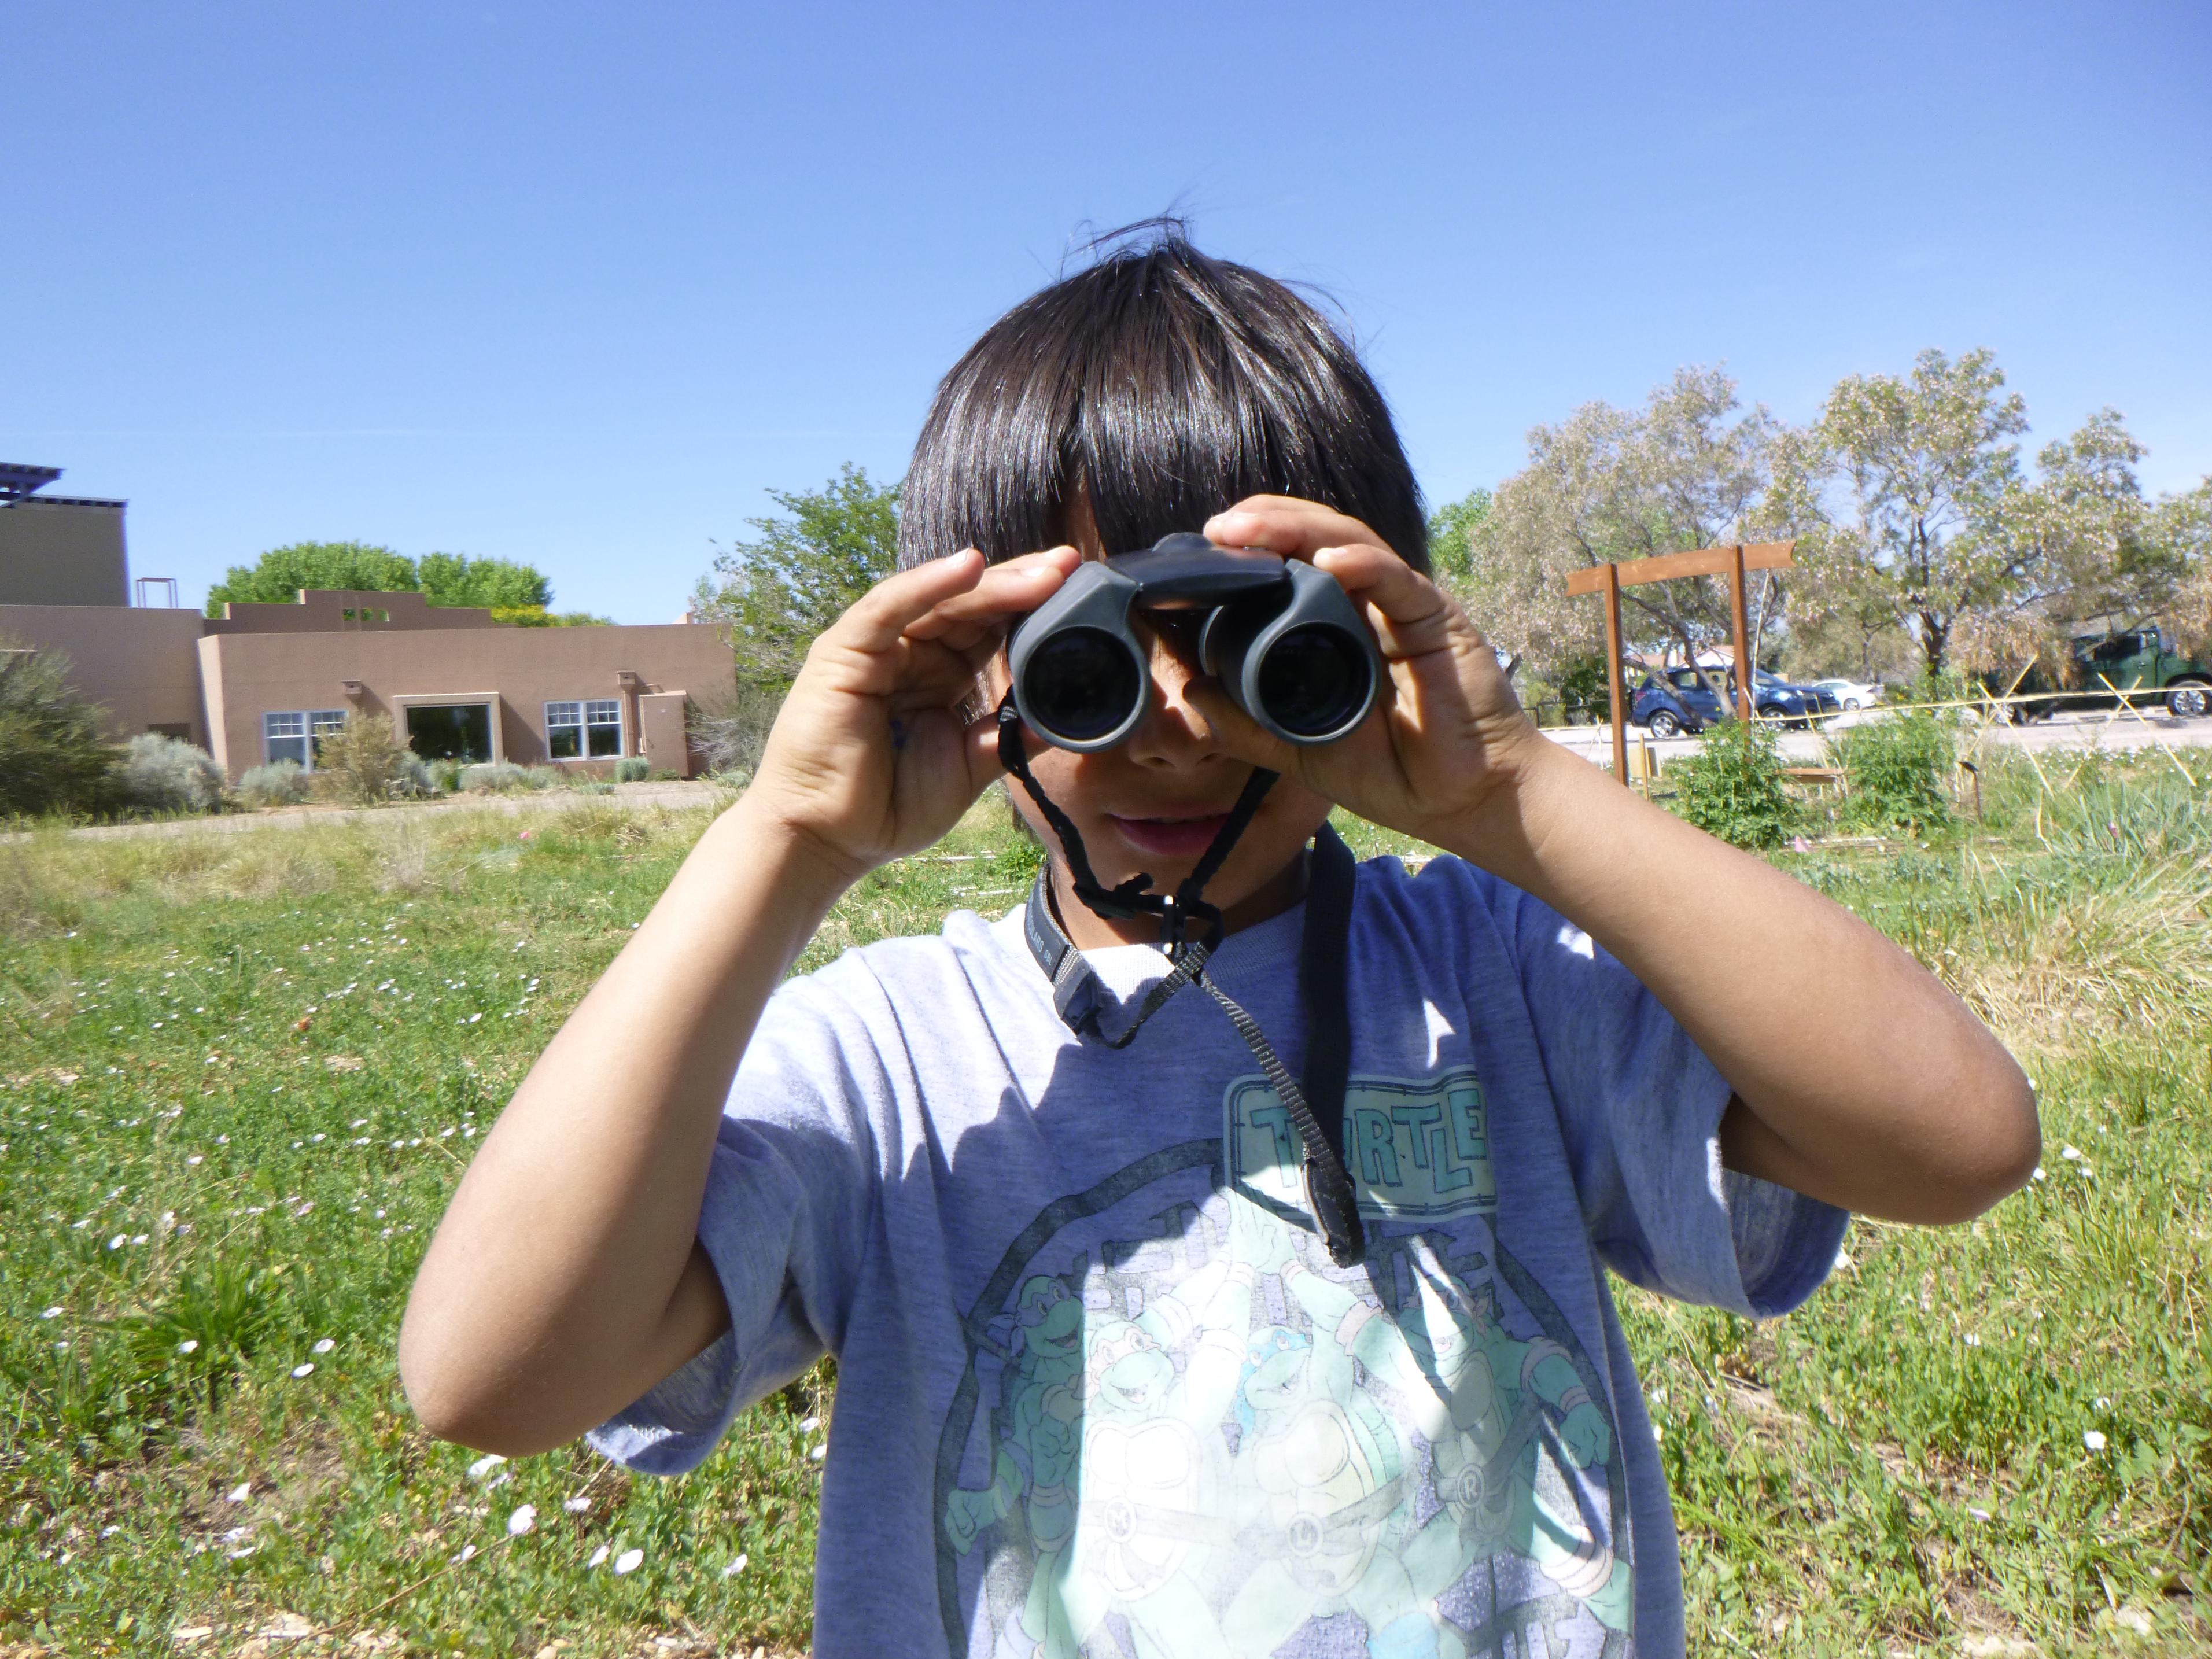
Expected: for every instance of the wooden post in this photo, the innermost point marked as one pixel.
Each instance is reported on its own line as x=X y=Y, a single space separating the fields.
x=1744 y=668
x=1613 y=673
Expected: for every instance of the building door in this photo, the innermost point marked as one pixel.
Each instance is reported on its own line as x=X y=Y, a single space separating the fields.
x=450 y=731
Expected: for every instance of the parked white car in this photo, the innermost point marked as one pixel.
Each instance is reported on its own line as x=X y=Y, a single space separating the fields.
x=1853 y=694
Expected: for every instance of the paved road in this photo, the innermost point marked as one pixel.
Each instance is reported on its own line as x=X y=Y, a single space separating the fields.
x=695 y=793
x=2092 y=729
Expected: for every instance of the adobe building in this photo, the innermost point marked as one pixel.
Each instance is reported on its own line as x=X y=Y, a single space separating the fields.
x=262 y=682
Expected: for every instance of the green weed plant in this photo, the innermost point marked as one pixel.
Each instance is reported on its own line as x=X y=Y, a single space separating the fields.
x=1732 y=786
x=1897 y=772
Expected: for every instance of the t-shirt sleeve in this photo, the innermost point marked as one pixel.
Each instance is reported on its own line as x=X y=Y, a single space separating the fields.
x=785 y=1220
x=1640 y=1109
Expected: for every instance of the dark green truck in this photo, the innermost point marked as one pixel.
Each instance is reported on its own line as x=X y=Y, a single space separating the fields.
x=2140 y=661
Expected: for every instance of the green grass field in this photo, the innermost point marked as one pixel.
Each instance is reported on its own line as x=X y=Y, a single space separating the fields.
x=240 y=1073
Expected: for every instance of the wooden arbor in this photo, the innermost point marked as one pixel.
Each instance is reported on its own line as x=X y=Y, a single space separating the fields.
x=1731 y=562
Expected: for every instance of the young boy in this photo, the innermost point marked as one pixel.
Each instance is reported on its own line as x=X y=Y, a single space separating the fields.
x=1102 y=1388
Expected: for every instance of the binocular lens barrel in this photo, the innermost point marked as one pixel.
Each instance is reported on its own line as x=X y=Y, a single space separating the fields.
x=1083 y=683
x=1314 y=681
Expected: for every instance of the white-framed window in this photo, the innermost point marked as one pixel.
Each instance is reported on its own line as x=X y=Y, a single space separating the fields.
x=284 y=737
x=588 y=728
x=297 y=734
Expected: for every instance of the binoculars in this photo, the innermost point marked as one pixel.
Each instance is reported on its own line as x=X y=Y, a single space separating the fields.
x=1281 y=636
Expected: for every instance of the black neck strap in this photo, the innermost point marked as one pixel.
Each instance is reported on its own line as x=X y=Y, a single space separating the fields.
x=1316 y=1105
x=1178 y=910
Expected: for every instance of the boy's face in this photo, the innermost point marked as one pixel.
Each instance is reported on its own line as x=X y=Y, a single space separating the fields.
x=1154 y=803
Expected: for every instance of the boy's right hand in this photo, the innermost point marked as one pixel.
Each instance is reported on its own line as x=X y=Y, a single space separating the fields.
x=870 y=758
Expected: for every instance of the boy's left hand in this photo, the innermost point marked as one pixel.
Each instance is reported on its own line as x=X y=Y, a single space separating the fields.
x=1447 y=735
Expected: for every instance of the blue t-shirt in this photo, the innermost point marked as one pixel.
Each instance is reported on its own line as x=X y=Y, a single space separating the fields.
x=1101 y=1390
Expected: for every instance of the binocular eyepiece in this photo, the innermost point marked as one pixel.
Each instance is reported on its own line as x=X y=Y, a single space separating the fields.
x=1281 y=636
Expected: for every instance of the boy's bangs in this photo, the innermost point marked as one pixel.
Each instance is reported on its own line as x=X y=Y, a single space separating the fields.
x=1160 y=386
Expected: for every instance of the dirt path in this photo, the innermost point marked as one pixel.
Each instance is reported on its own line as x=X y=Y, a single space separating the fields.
x=625 y=795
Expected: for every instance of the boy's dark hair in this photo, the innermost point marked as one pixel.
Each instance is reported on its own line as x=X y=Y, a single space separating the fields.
x=1163 y=386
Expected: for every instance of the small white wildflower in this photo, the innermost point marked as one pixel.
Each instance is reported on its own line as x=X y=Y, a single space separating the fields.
x=820 y=1451
x=193 y=1161
x=241 y=1491
x=190 y=1345
x=1842 y=1262
x=117 y=1242
x=736 y=1566
x=1973 y=1341
x=524 y=1518
x=2102 y=1404
x=306 y=1368
x=468 y=1554
x=809 y=1424
x=2093 y=1439
x=598 y=1556
x=2038 y=1174
x=324 y=1345
x=2069 y=1153
x=484 y=1465
x=1979 y=1515
x=628 y=1561
x=52 y=1313
x=576 y=1505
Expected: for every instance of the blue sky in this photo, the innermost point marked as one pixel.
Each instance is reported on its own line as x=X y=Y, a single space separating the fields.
x=575 y=285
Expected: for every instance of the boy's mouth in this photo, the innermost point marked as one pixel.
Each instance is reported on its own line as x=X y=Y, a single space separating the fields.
x=1169 y=838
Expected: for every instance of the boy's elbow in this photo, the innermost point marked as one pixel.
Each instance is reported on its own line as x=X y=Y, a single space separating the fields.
x=459 y=1401
x=1998 y=1148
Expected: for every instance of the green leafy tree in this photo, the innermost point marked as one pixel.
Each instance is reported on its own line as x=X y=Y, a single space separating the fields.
x=450 y=579
x=1452 y=529
x=2180 y=529
x=537 y=615
x=1925 y=464
x=1689 y=469
x=277 y=576
x=800 y=571
x=454 y=579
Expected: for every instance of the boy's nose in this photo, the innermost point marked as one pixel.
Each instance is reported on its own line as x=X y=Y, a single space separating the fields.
x=1173 y=732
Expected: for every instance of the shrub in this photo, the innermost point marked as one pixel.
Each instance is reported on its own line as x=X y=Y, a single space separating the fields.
x=487 y=775
x=361 y=760
x=167 y=775
x=633 y=768
x=280 y=783
x=730 y=732
x=445 y=775
x=1732 y=786
x=1895 y=771
x=414 y=780
x=52 y=758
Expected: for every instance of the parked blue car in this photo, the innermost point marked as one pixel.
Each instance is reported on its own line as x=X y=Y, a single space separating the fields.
x=1674 y=701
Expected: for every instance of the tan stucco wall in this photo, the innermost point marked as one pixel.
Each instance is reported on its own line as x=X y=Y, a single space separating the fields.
x=140 y=666
x=249 y=674
x=62 y=552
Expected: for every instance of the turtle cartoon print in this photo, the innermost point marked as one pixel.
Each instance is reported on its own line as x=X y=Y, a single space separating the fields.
x=1183 y=1431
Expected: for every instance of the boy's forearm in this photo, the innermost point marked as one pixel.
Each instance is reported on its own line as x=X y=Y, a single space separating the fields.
x=564 y=1280
x=1865 y=1081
